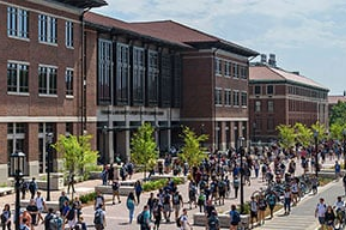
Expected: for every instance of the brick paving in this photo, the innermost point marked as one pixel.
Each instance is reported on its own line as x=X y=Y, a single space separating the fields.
x=117 y=215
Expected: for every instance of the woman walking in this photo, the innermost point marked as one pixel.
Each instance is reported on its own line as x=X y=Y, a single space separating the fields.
x=6 y=217
x=130 y=204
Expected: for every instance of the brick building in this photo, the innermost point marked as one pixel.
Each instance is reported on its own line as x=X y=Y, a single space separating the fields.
x=41 y=53
x=167 y=74
x=279 y=97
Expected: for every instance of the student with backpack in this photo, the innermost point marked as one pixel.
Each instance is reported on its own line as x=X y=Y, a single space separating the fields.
x=213 y=221
x=143 y=219
x=234 y=218
x=71 y=217
x=262 y=206
x=56 y=223
x=236 y=183
x=115 y=188
x=177 y=201
x=271 y=201
x=183 y=221
x=222 y=191
x=48 y=218
x=33 y=187
x=100 y=218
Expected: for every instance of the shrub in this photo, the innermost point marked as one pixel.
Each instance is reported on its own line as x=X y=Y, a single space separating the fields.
x=154 y=185
x=88 y=197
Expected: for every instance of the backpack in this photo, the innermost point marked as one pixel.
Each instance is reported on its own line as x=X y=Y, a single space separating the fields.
x=221 y=185
x=235 y=217
x=55 y=223
x=213 y=223
x=47 y=220
x=98 y=217
x=178 y=221
x=115 y=185
x=271 y=199
x=70 y=215
x=32 y=186
x=176 y=199
x=140 y=218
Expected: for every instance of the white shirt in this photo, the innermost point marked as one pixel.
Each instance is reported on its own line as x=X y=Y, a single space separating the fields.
x=39 y=202
x=184 y=221
x=253 y=206
x=321 y=209
x=340 y=205
x=294 y=188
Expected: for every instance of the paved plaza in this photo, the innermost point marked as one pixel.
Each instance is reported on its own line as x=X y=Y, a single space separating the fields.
x=117 y=215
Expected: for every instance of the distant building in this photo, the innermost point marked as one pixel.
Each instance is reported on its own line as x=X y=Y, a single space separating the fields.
x=335 y=99
x=279 y=97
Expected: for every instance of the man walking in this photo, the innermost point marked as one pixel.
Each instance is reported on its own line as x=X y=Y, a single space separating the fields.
x=320 y=212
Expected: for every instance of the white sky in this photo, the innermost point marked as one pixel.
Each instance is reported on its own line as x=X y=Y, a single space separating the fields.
x=308 y=36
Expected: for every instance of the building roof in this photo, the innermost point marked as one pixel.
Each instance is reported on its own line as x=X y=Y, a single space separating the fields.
x=264 y=73
x=176 y=32
x=334 y=99
x=84 y=3
x=116 y=26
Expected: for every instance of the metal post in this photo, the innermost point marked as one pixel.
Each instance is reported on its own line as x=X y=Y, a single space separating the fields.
x=17 y=202
x=48 y=150
x=344 y=134
x=241 y=176
x=104 y=130
x=316 y=155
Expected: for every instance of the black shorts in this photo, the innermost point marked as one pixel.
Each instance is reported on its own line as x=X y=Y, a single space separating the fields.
x=222 y=193
x=253 y=214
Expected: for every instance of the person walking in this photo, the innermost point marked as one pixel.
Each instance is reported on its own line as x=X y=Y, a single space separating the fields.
x=234 y=218
x=320 y=212
x=253 y=211
x=329 y=218
x=100 y=218
x=177 y=201
x=236 y=186
x=157 y=213
x=115 y=188
x=130 y=204
x=62 y=200
x=48 y=218
x=262 y=206
x=184 y=221
x=138 y=190
x=41 y=206
x=33 y=187
x=271 y=201
x=6 y=217
x=70 y=183
x=145 y=222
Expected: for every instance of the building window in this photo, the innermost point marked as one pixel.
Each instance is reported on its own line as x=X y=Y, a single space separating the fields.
x=166 y=80
x=227 y=69
x=69 y=82
x=47 y=80
x=44 y=130
x=17 y=22
x=218 y=96
x=270 y=89
x=177 y=81
x=270 y=124
x=69 y=34
x=138 y=75
x=244 y=99
x=218 y=66
x=228 y=97
x=235 y=70
x=236 y=98
x=105 y=70
x=153 y=75
x=257 y=106
x=69 y=128
x=17 y=78
x=243 y=72
x=16 y=139
x=122 y=73
x=47 y=29
x=270 y=106
x=257 y=89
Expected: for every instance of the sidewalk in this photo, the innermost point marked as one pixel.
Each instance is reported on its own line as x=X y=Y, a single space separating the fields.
x=303 y=215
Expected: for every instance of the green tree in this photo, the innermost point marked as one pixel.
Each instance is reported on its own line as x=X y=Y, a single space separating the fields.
x=337 y=130
x=338 y=114
x=76 y=152
x=303 y=134
x=192 y=152
x=144 y=147
x=320 y=129
x=287 y=136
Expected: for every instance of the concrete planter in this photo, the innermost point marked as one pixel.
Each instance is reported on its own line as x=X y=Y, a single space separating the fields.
x=56 y=182
x=50 y=204
x=95 y=175
x=107 y=189
x=160 y=177
x=199 y=219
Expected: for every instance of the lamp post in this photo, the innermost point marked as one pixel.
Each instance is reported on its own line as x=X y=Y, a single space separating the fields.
x=104 y=131
x=241 y=141
x=50 y=137
x=344 y=134
x=316 y=152
x=254 y=131
x=17 y=162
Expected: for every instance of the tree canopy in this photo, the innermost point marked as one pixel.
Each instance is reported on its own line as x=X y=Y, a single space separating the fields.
x=192 y=151
x=287 y=136
x=338 y=114
x=76 y=151
x=144 y=147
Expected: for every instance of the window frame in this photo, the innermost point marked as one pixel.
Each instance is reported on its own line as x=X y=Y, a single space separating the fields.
x=69 y=78
x=257 y=106
x=17 y=23
x=228 y=97
x=69 y=34
x=47 y=29
x=51 y=72
x=218 y=96
x=18 y=79
x=235 y=97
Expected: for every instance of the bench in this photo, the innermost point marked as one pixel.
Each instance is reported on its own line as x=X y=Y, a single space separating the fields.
x=107 y=189
x=6 y=190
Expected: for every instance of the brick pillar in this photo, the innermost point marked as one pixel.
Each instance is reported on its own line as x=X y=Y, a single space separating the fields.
x=33 y=152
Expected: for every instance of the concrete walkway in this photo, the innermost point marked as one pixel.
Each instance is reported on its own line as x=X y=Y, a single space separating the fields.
x=303 y=215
